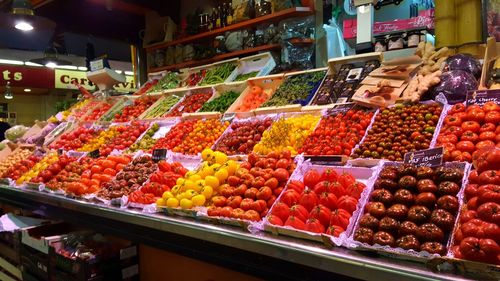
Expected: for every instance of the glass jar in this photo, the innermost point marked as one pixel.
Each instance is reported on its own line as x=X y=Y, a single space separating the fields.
x=395 y=42
x=220 y=44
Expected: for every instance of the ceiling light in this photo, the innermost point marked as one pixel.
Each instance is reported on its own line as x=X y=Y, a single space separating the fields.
x=16 y=62
x=119 y=71
x=8 y=92
x=27 y=90
x=32 y=64
x=129 y=73
x=50 y=58
x=82 y=68
x=70 y=67
x=51 y=64
x=24 y=26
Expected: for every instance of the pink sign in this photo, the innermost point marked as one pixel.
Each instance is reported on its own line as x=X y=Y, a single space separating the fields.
x=424 y=19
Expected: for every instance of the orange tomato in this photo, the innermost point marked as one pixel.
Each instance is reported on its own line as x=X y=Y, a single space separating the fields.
x=96 y=176
x=96 y=169
x=120 y=166
x=86 y=174
x=105 y=178
x=108 y=164
x=95 y=182
x=109 y=171
x=255 y=90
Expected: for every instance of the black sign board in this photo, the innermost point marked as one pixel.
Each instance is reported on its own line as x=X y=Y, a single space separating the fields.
x=429 y=157
x=341 y=108
x=482 y=97
x=327 y=159
x=95 y=153
x=159 y=154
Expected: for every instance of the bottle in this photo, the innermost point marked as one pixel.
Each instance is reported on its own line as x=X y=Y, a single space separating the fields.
x=223 y=18
x=251 y=9
x=214 y=17
x=230 y=13
x=218 y=22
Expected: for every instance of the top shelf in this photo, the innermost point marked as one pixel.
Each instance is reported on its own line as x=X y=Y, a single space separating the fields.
x=274 y=17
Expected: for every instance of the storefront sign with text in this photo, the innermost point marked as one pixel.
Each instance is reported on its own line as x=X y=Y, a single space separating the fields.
x=33 y=77
x=64 y=80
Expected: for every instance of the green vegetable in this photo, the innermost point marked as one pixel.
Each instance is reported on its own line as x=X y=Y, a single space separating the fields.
x=169 y=81
x=221 y=103
x=218 y=74
x=295 y=89
x=147 y=141
x=246 y=76
x=162 y=107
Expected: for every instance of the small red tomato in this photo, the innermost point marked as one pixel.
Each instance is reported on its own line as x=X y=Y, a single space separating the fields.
x=470 y=126
x=467 y=146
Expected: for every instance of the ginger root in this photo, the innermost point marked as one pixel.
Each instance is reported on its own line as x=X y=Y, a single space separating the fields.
x=420 y=84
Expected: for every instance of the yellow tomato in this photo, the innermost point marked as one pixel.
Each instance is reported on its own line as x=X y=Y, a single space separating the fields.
x=186 y=203
x=172 y=203
x=166 y=195
x=221 y=175
x=198 y=200
x=160 y=202
x=212 y=181
x=207 y=191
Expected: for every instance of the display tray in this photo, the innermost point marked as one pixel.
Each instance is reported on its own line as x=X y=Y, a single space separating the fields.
x=339 y=261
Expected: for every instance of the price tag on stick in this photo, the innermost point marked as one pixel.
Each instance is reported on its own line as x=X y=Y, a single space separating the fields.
x=95 y=154
x=159 y=154
x=429 y=157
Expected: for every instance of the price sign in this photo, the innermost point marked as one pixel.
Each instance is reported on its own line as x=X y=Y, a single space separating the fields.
x=342 y=108
x=95 y=154
x=327 y=160
x=228 y=117
x=60 y=151
x=429 y=157
x=482 y=97
x=159 y=154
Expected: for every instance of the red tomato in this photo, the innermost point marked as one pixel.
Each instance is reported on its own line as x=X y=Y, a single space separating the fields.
x=308 y=199
x=452 y=121
x=487 y=127
x=484 y=144
x=492 y=117
x=340 y=217
x=491 y=106
x=489 y=193
x=290 y=197
x=109 y=171
x=274 y=220
x=489 y=177
x=328 y=199
x=489 y=212
x=470 y=190
x=483 y=250
x=295 y=223
x=475 y=114
x=356 y=189
x=469 y=136
x=334 y=230
x=96 y=169
x=296 y=185
x=488 y=135
x=455 y=130
x=329 y=175
x=470 y=126
x=299 y=212
x=314 y=225
x=311 y=178
x=281 y=175
x=347 y=203
x=246 y=204
x=465 y=146
x=467 y=216
x=264 y=193
x=322 y=214
x=472 y=204
x=281 y=210
x=346 y=179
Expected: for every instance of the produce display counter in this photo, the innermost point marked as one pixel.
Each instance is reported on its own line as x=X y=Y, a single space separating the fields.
x=227 y=246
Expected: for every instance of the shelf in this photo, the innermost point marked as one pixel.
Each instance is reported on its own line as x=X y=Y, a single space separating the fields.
x=274 y=17
x=216 y=58
x=232 y=247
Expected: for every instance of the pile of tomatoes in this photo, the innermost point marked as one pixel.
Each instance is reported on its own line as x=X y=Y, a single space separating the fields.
x=19 y=168
x=320 y=202
x=159 y=182
x=75 y=139
x=53 y=169
x=252 y=190
x=243 y=136
x=478 y=236
x=98 y=112
x=253 y=99
x=175 y=136
x=135 y=110
x=412 y=208
x=70 y=174
x=127 y=136
x=190 y=103
x=468 y=129
x=337 y=134
x=203 y=135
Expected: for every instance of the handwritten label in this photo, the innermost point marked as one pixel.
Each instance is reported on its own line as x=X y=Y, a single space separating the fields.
x=482 y=97
x=95 y=154
x=429 y=157
x=159 y=154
